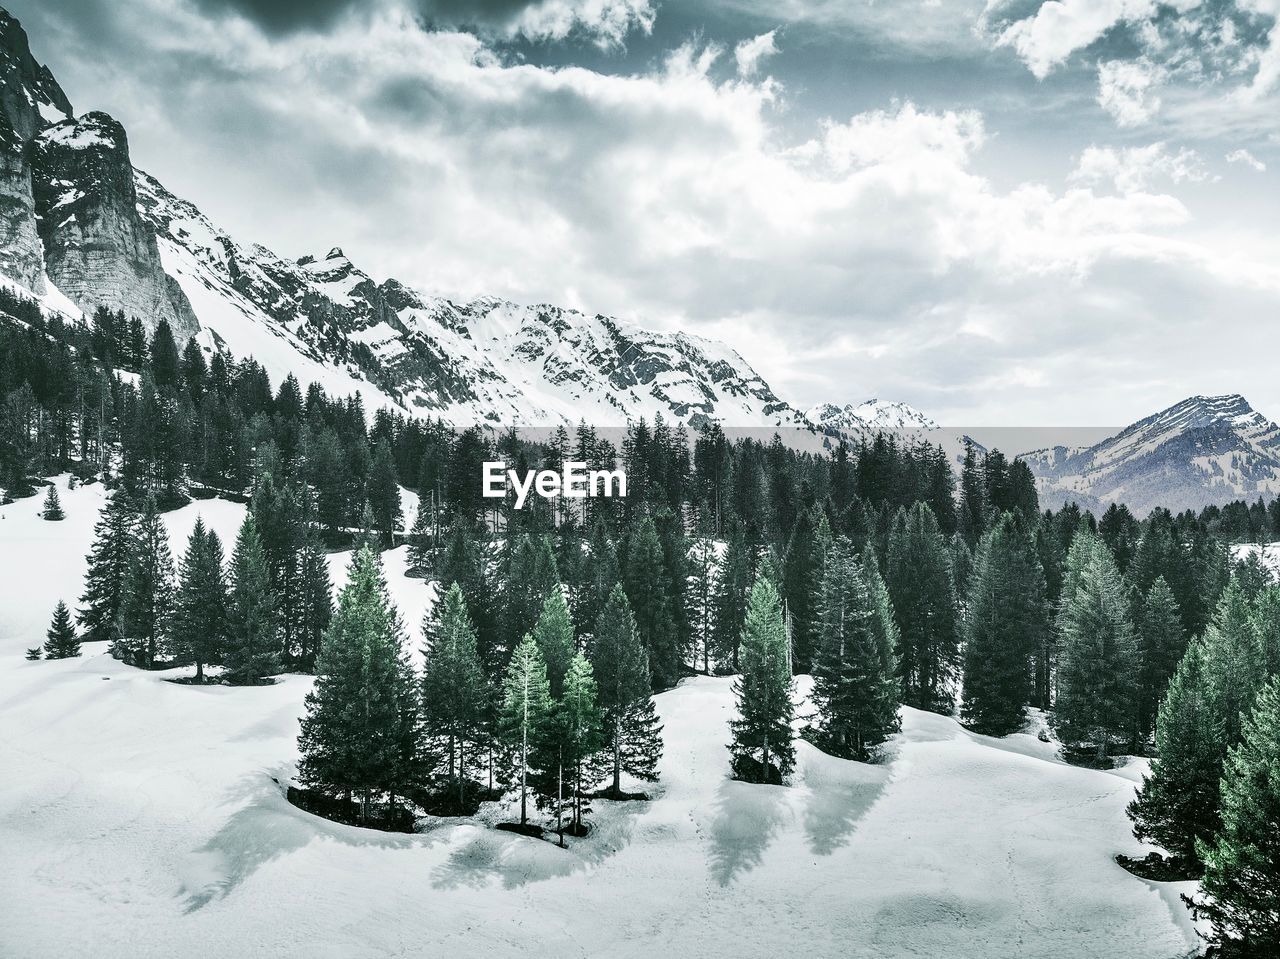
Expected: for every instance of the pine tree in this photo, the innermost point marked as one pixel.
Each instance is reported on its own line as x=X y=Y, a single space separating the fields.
x=253 y=620
x=313 y=604
x=572 y=739
x=554 y=636
x=763 y=745
x=200 y=608
x=1007 y=622
x=531 y=578
x=632 y=733
x=463 y=561
x=1098 y=670
x=422 y=543
x=701 y=599
x=52 y=505
x=1163 y=644
x=733 y=585
x=1241 y=884
x=384 y=495
x=648 y=589
x=359 y=734
x=148 y=598
x=62 y=641
x=102 y=603
x=33 y=653
x=526 y=706
x=856 y=691
x=1178 y=801
x=918 y=574
x=455 y=691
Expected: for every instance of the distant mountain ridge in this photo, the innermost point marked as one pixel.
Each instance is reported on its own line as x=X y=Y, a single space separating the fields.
x=1203 y=450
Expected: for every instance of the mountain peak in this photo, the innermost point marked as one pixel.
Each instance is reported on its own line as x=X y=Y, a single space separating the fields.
x=868 y=416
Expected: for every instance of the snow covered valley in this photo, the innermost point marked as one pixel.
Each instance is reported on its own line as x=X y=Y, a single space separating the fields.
x=143 y=818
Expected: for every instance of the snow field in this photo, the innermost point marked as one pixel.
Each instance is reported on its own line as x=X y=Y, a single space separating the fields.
x=140 y=818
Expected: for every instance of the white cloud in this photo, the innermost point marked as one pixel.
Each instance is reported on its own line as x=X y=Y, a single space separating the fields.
x=1060 y=27
x=607 y=22
x=1126 y=90
x=1248 y=159
x=859 y=257
x=750 y=53
x=1136 y=169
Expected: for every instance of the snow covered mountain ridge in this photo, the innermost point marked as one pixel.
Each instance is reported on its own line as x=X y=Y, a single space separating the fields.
x=1203 y=450
x=868 y=416
x=486 y=361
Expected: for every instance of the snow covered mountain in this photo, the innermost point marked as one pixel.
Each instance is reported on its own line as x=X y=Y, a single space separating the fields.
x=868 y=417
x=1206 y=449
x=486 y=361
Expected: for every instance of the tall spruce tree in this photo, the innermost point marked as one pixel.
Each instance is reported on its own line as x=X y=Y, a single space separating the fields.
x=253 y=622
x=1163 y=644
x=1099 y=661
x=1178 y=801
x=570 y=739
x=455 y=691
x=313 y=606
x=648 y=589
x=1007 y=621
x=733 y=586
x=763 y=746
x=531 y=577
x=632 y=733
x=61 y=641
x=1241 y=884
x=918 y=574
x=359 y=734
x=856 y=690
x=102 y=603
x=199 y=631
x=554 y=635
x=701 y=599
x=526 y=707
x=148 y=598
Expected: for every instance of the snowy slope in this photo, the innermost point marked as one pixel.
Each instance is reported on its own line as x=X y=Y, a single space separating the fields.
x=487 y=361
x=139 y=818
x=1205 y=449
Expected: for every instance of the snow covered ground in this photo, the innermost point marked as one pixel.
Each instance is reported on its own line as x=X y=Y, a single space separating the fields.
x=142 y=818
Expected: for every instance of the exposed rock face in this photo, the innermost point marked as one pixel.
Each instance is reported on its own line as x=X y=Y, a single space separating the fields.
x=98 y=250
x=29 y=97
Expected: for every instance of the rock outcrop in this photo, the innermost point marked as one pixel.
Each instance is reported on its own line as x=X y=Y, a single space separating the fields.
x=29 y=98
x=98 y=250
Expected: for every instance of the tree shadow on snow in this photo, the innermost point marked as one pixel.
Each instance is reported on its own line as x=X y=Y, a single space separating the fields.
x=748 y=816
x=517 y=860
x=264 y=828
x=841 y=792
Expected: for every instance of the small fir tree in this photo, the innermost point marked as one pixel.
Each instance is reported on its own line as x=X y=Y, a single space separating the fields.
x=61 y=640
x=554 y=635
x=52 y=505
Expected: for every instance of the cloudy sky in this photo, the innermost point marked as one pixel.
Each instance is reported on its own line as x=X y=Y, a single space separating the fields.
x=1023 y=213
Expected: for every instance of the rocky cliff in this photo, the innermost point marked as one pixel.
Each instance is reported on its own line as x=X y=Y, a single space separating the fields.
x=29 y=98
x=98 y=250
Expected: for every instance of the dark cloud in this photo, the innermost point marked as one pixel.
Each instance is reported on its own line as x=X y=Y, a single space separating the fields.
x=284 y=16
